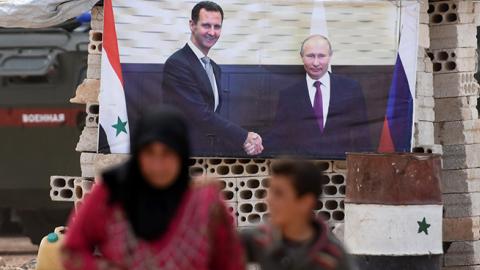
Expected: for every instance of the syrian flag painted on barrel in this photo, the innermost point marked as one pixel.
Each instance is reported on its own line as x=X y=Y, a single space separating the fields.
x=393 y=210
x=397 y=127
x=114 y=132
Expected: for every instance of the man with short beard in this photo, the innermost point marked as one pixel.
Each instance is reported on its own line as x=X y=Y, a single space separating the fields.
x=191 y=81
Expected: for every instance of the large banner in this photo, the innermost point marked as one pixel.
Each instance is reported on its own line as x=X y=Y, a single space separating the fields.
x=310 y=78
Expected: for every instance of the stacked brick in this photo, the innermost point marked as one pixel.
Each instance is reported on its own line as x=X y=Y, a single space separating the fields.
x=453 y=51
x=74 y=189
x=424 y=139
x=244 y=185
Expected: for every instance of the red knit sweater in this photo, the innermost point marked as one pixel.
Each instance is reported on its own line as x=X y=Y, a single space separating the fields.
x=200 y=236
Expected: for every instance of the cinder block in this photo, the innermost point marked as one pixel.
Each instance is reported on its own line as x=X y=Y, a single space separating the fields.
x=105 y=162
x=451 y=42
x=421 y=61
x=334 y=185
x=87 y=164
x=340 y=166
x=452 y=31
x=461 y=229
x=459 y=132
x=424 y=113
x=232 y=210
x=454 y=60
x=424 y=18
x=229 y=189
x=452 y=17
x=460 y=181
x=88 y=140
x=425 y=101
x=461 y=156
x=236 y=167
x=87 y=92
x=97 y=18
x=462 y=253
x=95 y=45
x=464 y=6
x=62 y=188
x=424 y=133
x=456 y=109
x=424 y=7
x=92 y=108
x=425 y=82
x=82 y=187
x=92 y=115
x=252 y=189
x=422 y=54
x=423 y=36
x=477 y=13
x=456 y=65
x=455 y=85
x=453 y=36
x=94 y=66
x=94 y=72
x=325 y=166
x=92 y=121
x=94 y=60
x=252 y=213
x=461 y=205
x=197 y=166
x=428 y=149
x=332 y=210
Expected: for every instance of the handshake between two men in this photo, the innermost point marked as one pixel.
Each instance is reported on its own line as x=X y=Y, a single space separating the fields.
x=253 y=144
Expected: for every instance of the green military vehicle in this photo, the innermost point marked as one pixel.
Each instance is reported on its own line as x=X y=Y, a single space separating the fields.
x=39 y=128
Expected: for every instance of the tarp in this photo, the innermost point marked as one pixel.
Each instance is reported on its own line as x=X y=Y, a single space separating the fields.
x=41 y=13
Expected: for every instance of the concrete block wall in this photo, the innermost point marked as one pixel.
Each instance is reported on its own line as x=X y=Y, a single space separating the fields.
x=424 y=131
x=453 y=52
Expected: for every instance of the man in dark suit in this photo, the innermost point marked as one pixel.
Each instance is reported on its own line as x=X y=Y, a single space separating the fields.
x=324 y=114
x=191 y=81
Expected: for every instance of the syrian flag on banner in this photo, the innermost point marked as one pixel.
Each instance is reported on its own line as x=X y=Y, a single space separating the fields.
x=398 y=124
x=113 y=118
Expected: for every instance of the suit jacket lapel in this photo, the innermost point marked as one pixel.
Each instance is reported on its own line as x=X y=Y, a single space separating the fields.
x=334 y=100
x=200 y=72
x=306 y=103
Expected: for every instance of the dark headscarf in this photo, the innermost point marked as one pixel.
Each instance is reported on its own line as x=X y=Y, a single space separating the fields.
x=149 y=209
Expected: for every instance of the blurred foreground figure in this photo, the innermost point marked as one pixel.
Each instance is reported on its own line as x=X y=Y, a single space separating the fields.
x=294 y=239
x=146 y=214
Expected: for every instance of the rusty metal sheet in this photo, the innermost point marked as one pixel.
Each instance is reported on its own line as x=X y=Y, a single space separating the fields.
x=393 y=178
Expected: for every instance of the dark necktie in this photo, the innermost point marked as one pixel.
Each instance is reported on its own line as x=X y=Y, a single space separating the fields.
x=318 y=105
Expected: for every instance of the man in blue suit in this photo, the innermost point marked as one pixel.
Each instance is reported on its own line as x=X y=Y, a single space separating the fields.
x=191 y=81
x=324 y=114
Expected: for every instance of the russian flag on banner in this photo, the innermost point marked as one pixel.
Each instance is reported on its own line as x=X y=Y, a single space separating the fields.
x=113 y=118
x=398 y=124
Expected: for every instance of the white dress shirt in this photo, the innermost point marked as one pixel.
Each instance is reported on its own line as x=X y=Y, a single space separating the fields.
x=325 y=81
x=200 y=55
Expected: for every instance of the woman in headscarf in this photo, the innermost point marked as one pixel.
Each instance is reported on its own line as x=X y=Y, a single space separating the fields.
x=147 y=213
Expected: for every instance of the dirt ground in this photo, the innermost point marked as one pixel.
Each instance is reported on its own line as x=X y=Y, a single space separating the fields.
x=17 y=253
